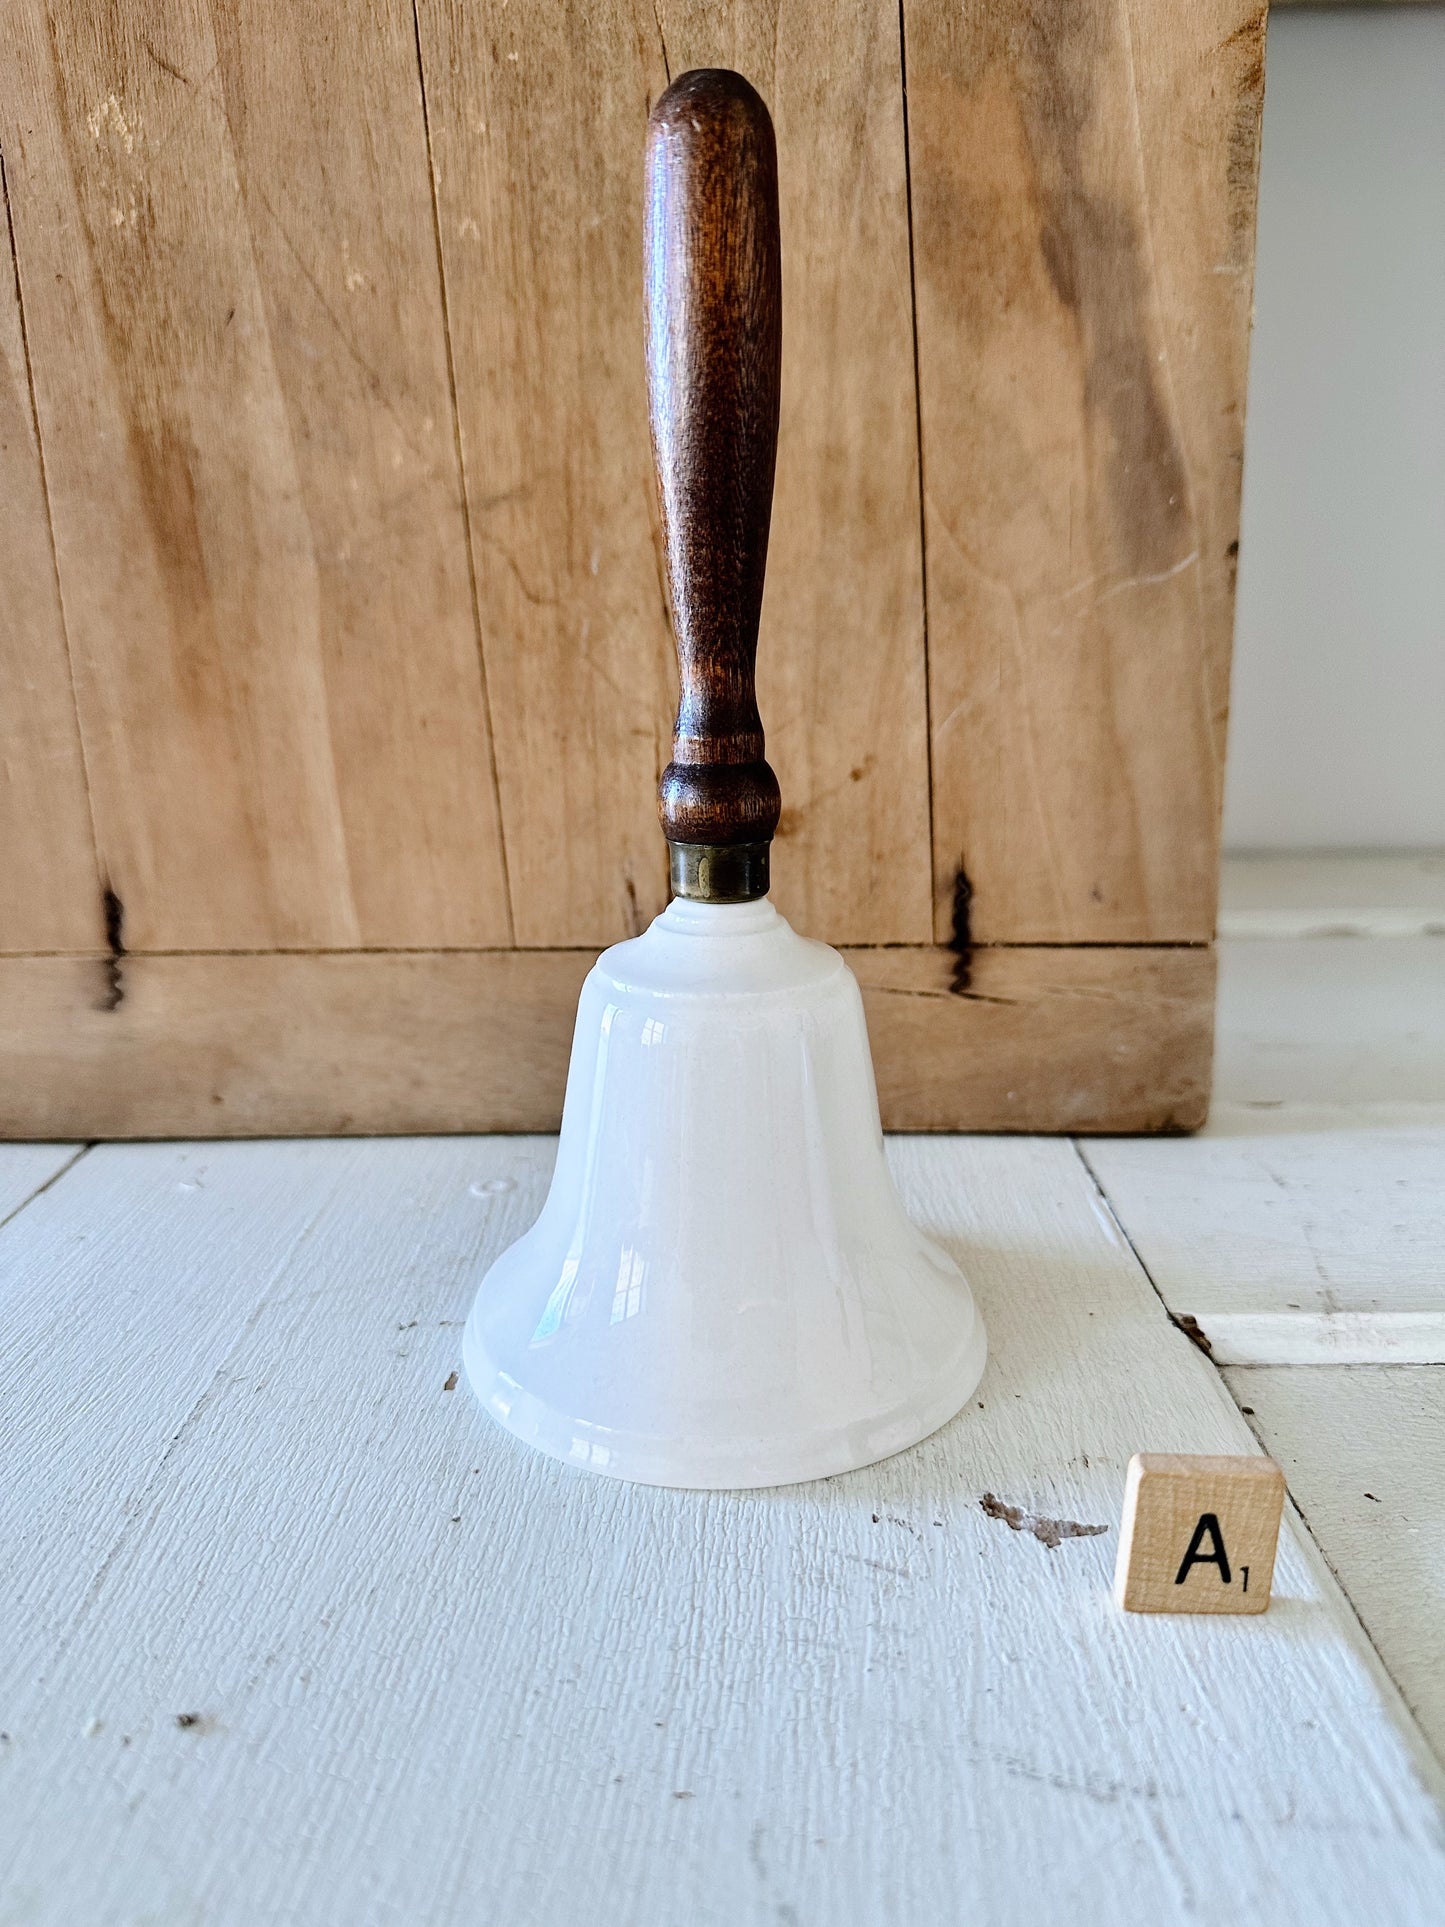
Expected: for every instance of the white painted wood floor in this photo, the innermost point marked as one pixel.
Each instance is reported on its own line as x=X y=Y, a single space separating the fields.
x=291 y=1634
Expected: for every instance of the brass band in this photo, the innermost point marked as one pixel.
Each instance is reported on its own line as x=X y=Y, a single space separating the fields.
x=720 y=872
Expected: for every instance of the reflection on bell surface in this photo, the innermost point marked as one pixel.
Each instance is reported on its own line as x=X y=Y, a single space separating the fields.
x=722 y=1288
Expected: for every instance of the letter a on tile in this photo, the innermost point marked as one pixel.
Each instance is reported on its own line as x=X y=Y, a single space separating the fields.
x=1208 y=1525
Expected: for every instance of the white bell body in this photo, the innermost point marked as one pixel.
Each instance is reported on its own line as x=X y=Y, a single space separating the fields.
x=722 y=1288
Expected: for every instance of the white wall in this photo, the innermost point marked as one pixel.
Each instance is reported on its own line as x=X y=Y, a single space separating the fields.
x=1337 y=733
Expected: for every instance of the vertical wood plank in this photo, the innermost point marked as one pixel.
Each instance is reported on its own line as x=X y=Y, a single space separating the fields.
x=1083 y=200
x=536 y=120
x=1202 y=233
x=225 y=240
x=537 y=126
x=49 y=890
x=841 y=665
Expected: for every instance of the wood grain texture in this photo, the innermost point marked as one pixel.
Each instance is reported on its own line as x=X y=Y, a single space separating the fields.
x=1292 y=1239
x=383 y=1619
x=336 y=334
x=537 y=146
x=203 y=1046
x=1083 y=206
x=292 y=1045
x=226 y=250
x=1085 y=1039
x=712 y=282
x=536 y=118
x=841 y=670
x=1364 y=1448
x=49 y=885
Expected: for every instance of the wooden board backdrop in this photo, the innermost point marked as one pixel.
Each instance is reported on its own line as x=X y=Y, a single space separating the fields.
x=337 y=669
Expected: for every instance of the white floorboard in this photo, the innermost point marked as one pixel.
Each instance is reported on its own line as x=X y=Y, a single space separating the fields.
x=1336 y=1022
x=1292 y=1238
x=1305 y=1228
x=1306 y=1224
x=28 y=1168
x=430 y=1677
x=1364 y=1452
x=1352 y=893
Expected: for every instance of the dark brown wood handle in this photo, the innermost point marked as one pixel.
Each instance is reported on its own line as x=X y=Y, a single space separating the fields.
x=714 y=340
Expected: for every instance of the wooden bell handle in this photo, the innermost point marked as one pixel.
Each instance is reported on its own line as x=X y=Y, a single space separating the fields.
x=714 y=340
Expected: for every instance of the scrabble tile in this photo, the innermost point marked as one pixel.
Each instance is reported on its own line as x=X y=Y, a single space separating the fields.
x=1198 y=1534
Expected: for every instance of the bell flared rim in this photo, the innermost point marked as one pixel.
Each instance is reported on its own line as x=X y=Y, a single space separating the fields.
x=711 y=1463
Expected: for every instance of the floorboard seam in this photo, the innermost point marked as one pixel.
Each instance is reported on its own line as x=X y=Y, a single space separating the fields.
x=41 y=1189
x=1417 y=1731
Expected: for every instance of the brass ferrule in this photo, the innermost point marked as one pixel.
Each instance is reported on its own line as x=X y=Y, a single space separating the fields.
x=720 y=872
